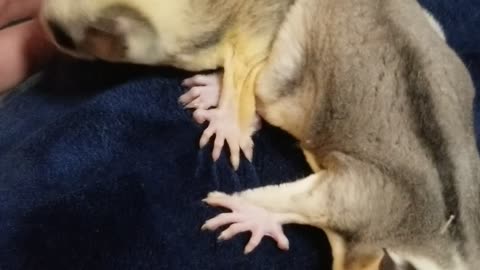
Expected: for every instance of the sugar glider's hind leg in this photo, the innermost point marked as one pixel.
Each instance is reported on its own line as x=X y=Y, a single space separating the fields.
x=249 y=213
x=345 y=198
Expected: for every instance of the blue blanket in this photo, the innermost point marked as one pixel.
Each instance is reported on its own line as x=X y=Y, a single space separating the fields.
x=100 y=169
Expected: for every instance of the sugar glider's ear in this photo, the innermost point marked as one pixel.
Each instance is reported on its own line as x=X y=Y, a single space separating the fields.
x=107 y=37
x=122 y=20
x=387 y=263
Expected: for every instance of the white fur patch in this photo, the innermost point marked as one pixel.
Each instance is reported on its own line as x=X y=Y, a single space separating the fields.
x=435 y=24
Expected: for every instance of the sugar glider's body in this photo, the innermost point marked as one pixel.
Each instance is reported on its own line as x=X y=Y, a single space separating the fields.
x=191 y=35
x=380 y=105
x=382 y=108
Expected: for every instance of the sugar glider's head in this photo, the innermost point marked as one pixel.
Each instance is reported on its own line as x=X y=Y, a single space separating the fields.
x=113 y=30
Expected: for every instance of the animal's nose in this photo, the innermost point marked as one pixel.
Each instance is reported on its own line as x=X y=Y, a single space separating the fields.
x=61 y=37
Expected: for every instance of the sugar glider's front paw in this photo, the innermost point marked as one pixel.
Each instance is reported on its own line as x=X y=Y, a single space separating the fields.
x=203 y=91
x=224 y=125
x=244 y=217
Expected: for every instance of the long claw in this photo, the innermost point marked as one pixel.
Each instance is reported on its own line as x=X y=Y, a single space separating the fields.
x=220 y=199
x=220 y=220
x=217 y=147
x=189 y=96
x=279 y=236
x=248 y=150
x=249 y=154
x=233 y=230
x=207 y=134
x=235 y=159
x=254 y=241
x=234 y=154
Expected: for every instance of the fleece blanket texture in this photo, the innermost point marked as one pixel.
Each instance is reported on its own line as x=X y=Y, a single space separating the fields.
x=100 y=169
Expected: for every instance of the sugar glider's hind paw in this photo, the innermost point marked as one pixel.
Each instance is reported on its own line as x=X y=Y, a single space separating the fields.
x=203 y=91
x=224 y=125
x=243 y=218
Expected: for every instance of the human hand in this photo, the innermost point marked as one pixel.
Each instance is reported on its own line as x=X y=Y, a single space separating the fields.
x=23 y=46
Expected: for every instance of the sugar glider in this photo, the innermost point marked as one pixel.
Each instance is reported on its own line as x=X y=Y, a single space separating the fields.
x=191 y=35
x=382 y=109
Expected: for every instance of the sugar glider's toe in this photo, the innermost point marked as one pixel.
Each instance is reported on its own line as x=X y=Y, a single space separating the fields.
x=203 y=92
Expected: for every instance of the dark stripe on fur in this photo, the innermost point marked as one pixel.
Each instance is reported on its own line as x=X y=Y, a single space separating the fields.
x=432 y=138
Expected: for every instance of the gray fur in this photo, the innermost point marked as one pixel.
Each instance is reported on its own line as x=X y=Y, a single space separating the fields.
x=393 y=103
